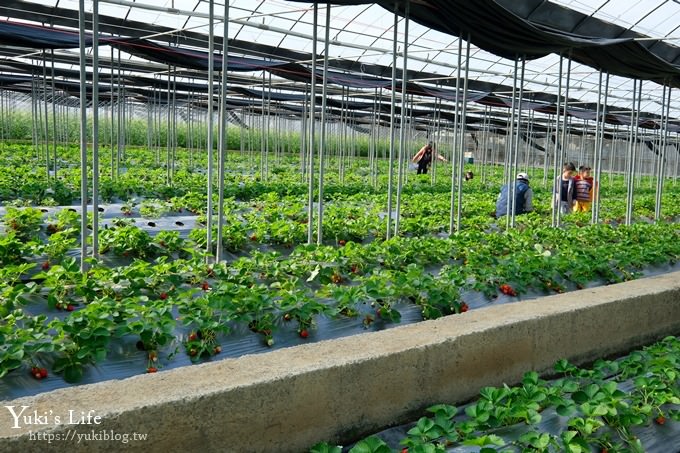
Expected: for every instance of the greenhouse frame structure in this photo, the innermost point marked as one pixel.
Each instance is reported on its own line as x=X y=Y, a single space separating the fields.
x=502 y=112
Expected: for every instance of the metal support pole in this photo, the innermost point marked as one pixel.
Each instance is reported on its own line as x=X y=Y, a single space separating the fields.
x=507 y=173
x=324 y=126
x=662 y=154
x=630 y=159
x=602 y=121
x=390 y=170
x=402 y=132
x=222 y=147
x=83 y=137
x=461 y=143
x=516 y=145
x=456 y=123
x=211 y=101
x=95 y=130
x=312 y=135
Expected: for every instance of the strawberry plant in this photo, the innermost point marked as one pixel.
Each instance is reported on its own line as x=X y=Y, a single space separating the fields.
x=153 y=208
x=24 y=223
x=168 y=242
x=11 y=248
x=82 y=338
x=22 y=338
x=127 y=241
x=207 y=320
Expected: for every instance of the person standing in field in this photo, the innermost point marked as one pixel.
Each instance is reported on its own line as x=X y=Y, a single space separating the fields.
x=565 y=189
x=584 y=187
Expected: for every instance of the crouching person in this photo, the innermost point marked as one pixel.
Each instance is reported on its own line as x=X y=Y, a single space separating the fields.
x=523 y=197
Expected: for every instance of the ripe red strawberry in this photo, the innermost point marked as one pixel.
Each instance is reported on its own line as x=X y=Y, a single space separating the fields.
x=660 y=420
x=604 y=450
x=70 y=307
x=163 y=295
x=205 y=286
x=253 y=237
x=508 y=290
x=45 y=265
x=38 y=373
x=464 y=307
x=404 y=450
x=354 y=269
x=217 y=349
x=151 y=369
x=193 y=336
x=304 y=333
x=342 y=242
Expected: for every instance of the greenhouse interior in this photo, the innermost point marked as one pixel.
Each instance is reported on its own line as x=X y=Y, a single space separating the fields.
x=361 y=226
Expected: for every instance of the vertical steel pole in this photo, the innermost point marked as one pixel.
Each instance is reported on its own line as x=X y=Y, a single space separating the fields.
x=222 y=147
x=95 y=130
x=556 y=164
x=516 y=146
x=211 y=75
x=312 y=134
x=390 y=170
x=456 y=122
x=507 y=173
x=324 y=126
x=630 y=158
x=83 y=137
x=402 y=131
x=662 y=155
x=602 y=121
x=461 y=143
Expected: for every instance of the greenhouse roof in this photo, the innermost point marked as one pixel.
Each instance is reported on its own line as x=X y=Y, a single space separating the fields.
x=629 y=38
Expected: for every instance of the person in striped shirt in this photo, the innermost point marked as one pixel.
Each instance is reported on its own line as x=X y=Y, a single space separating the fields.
x=584 y=186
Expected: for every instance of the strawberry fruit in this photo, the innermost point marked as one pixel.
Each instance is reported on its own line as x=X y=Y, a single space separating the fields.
x=38 y=373
x=151 y=369
x=163 y=295
x=508 y=290
x=304 y=333
x=660 y=420
x=45 y=265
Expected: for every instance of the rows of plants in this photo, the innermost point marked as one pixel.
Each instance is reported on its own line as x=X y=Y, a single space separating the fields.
x=606 y=408
x=168 y=299
x=154 y=287
x=25 y=184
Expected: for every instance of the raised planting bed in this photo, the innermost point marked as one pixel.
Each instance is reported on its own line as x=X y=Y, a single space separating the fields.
x=631 y=404
x=290 y=399
x=153 y=304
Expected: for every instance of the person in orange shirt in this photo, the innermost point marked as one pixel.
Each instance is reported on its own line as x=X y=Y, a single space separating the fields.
x=584 y=187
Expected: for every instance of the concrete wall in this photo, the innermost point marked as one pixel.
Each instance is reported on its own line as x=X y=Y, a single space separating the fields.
x=289 y=399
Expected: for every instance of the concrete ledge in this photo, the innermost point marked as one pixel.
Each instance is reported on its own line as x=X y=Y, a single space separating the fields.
x=289 y=399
